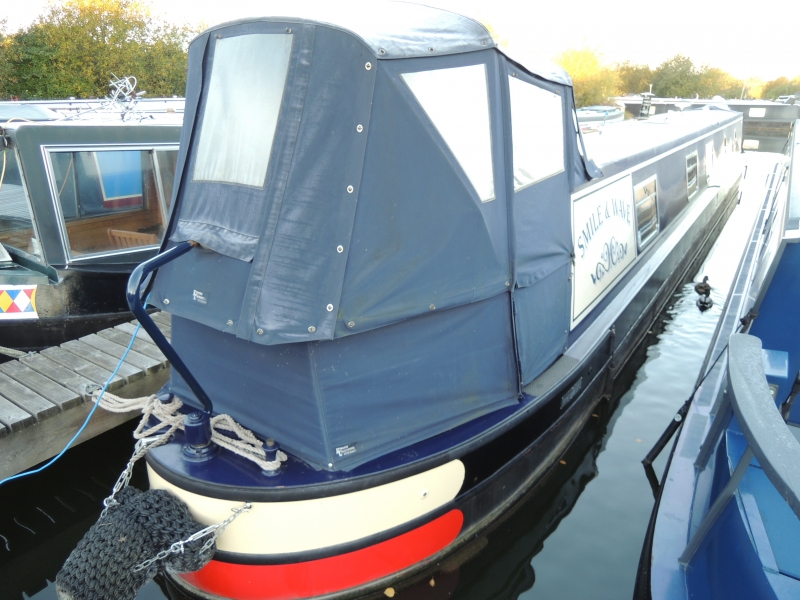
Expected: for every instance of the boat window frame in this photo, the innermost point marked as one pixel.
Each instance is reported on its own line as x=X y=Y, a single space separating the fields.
x=691 y=192
x=416 y=66
x=208 y=95
x=48 y=149
x=38 y=258
x=515 y=76
x=642 y=243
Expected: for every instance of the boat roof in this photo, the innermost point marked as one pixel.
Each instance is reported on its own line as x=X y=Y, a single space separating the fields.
x=630 y=142
x=393 y=30
x=28 y=112
x=101 y=120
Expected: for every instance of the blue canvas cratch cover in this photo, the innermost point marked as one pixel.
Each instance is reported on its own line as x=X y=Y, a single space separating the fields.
x=376 y=195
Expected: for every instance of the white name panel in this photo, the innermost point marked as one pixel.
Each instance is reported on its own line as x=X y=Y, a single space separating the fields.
x=604 y=238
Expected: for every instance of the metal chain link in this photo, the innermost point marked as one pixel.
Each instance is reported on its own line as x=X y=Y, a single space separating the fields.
x=213 y=530
x=141 y=448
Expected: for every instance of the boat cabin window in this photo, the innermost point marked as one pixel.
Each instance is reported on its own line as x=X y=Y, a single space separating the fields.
x=645 y=195
x=457 y=102
x=537 y=129
x=248 y=75
x=110 y=200
x=16 y=220
x=691 y=174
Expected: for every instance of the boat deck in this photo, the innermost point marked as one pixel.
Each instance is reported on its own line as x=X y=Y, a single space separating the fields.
x=44 y=396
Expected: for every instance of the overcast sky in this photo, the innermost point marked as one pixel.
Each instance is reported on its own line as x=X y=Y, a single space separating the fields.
x=745 y=38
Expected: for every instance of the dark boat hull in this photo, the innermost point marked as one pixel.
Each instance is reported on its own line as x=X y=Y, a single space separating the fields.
x=78 y=303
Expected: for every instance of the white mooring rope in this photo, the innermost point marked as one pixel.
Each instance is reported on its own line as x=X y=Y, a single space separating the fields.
x=237 y=439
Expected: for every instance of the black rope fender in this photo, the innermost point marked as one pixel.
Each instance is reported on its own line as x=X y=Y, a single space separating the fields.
x=138 y=536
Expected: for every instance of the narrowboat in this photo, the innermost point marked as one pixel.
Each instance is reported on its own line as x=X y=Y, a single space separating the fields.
x=81 y=204
x=766 y=128
x=391 y=256
x=726 y=523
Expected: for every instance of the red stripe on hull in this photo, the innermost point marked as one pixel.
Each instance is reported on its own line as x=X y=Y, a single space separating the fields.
x=327 y=575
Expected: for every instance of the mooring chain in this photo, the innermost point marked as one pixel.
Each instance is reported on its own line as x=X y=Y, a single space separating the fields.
x=212 y=530
x=141 y=448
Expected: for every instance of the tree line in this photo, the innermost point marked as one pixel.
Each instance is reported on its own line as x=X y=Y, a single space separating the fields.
x=73 y=48
x=595 y=82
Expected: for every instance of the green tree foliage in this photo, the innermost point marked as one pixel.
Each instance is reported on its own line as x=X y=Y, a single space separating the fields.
x=594 y=82
x=716 y=82
x=74 y=47
x=676 y=78
x=781 y=86
x=633 y=78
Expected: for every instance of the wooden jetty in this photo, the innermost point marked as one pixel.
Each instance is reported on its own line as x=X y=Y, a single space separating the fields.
x=45 y=396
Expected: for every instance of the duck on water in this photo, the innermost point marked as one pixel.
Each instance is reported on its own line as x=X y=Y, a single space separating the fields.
x=390 y=256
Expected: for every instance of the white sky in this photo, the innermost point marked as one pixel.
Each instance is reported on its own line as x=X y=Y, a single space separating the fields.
x=746 y=38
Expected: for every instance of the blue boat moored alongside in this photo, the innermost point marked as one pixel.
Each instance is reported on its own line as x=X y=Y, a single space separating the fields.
x=727 y=520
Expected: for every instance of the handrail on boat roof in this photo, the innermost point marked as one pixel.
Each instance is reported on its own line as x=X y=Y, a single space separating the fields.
x=777 y=450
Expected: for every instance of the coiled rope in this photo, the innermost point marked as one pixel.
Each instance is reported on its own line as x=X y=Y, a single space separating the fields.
x=225 y=432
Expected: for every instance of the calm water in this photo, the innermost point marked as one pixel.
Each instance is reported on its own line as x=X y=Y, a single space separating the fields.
x=577 y=535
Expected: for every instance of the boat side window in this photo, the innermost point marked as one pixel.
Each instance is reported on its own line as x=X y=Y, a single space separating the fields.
x=110 y=199
x=456 y=101
x=645 y=196
x=691 y=174
x=245 y=90
x=537 y=129
x=16 y=220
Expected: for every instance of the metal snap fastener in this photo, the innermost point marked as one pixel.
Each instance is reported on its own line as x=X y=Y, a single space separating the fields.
x=368 y=66
x=359 y=128
x=349 y=189
x=351 y=324
x=432 y=307
x=230 y=322
x=330 y=307
x=312 y=329
x=288 y=30
x=166 y=300
x=260 y=331
x=340 y=249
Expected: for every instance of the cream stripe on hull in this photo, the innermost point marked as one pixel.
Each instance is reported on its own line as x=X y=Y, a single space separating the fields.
x=298 y=526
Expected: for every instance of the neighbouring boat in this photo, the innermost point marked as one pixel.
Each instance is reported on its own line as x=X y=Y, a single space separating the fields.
x=727 y=520
x=766 y=128
x=389 y=253
x=82 y=202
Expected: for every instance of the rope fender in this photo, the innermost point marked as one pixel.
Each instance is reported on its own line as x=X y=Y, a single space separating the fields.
x=140 y=534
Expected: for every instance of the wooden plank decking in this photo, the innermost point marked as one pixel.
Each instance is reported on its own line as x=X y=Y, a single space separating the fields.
x=44 y=400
